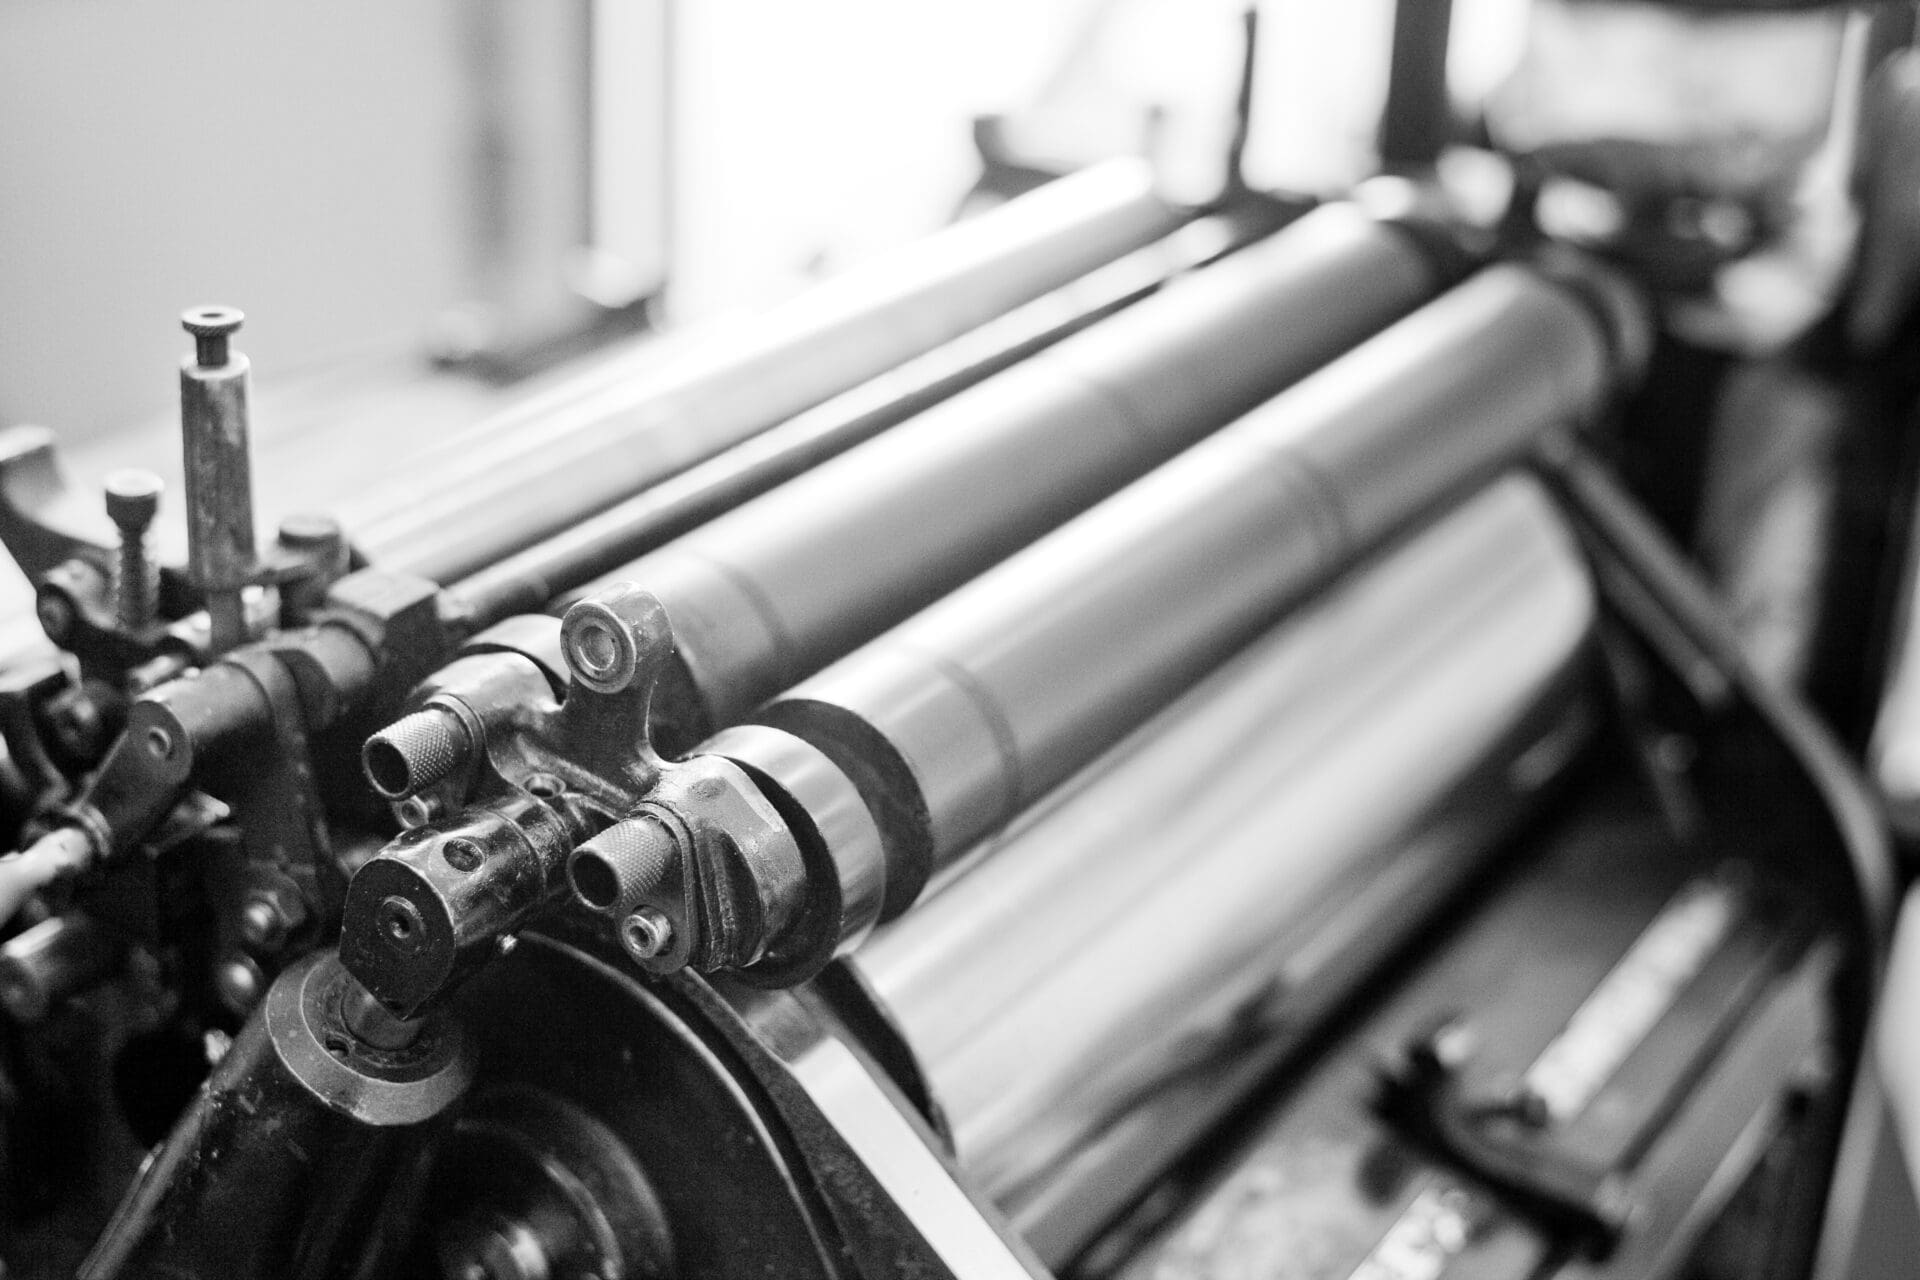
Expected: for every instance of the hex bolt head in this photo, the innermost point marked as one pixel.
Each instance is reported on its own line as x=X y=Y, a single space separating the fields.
x=210 y=327
x=646 y=933
x=415 y=752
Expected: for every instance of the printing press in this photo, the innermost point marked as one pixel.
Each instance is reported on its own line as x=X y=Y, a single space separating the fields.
x=1128 y=738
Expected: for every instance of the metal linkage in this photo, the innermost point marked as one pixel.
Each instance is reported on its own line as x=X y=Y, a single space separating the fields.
x=701 y=869
x=321 y=1090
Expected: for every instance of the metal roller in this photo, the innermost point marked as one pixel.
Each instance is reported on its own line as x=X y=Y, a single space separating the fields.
x=954 y=722
x=775 y=589
x=1103 y=983
x=780 y=841
x=493 y=494
x=525 y=582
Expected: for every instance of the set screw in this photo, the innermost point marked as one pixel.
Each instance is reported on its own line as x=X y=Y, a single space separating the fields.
x=133 y=500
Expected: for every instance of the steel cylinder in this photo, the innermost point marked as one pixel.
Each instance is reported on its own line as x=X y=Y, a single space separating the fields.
x=649 y=519
x=217 y=460
x=559 y=458
x=781 y=585
x=1100 y=985
x=956 y=720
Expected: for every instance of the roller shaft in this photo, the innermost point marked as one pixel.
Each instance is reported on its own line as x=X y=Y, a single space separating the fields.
x=958 y=719
x=780 y=586
x=495 y=494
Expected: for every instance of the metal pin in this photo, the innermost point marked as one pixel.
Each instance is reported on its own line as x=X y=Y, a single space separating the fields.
x=214 y=443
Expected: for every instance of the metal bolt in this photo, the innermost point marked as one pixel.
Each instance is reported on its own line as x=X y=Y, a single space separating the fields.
x=402 y=924
x=75 y=722
x=646 y=933
x=239 y=982
x=55 y=612
x=210 y=327
x=268 y=917
x=133 y=499
x=615 y=869
x=310 y=531
x=415 y=811
x=415 y=752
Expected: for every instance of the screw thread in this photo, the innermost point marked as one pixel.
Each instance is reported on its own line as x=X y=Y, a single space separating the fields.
x=135 y=583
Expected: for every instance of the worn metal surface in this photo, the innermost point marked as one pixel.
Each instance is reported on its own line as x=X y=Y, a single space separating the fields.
x=217 y=459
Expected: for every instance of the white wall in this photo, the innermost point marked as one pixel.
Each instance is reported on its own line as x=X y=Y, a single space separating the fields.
x=298 y=160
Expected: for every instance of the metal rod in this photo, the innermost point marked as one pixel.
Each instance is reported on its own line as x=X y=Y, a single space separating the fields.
x=958 y=719
x=219 y=470
x=526 y=581
x=1224 y=877
x=780 y=586
x=542 y=468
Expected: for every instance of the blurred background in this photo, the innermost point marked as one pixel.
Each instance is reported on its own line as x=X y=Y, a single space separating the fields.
x=488 y=183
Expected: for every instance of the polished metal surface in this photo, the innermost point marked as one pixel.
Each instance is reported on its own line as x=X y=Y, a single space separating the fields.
x=1078 y=993
x=855 y=861
x=972 y=710
x=527 y=580
x=554 y=461
x=775 y=589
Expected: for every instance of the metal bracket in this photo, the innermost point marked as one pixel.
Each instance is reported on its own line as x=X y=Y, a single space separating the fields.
x=689 y=862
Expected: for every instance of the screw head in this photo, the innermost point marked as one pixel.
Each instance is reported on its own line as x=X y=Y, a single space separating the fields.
x=310 y=531
x=415 y=811
x=240 y=983
x=646 y=933
x=211 y=321
x=267 y=917
x=402 y=924
x=133 y=498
